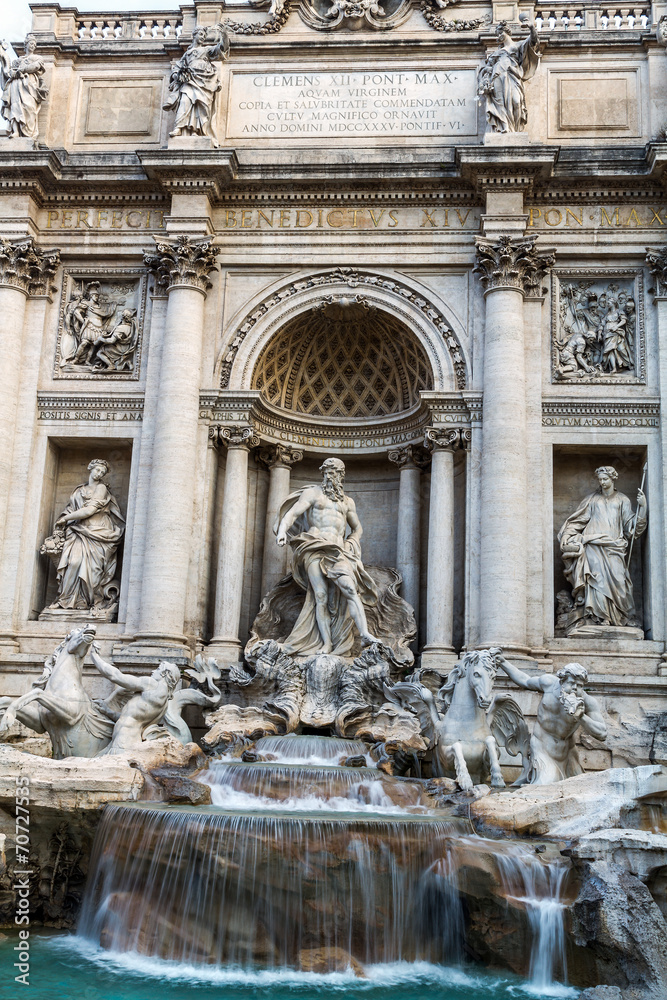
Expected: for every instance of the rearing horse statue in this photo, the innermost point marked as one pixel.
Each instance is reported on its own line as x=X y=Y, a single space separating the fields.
x=58 y=704
x=471 y=724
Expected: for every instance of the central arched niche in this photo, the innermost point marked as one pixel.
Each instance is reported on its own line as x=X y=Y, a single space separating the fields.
x=342 y=360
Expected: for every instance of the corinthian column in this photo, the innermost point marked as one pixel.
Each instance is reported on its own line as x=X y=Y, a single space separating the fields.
x=225 y=643
x=279 y=459
x=182 y=267
x=440 y=576
x=25 y=271
x=508 y=269
x=410 y=461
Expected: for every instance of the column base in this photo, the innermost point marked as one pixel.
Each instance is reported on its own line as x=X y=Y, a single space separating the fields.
x=440 y=658
x=147 y=649
x=226 y=651
x=509 y=649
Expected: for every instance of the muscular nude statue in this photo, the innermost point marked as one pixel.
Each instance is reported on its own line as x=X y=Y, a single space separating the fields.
x=148 y=706
x=327 y=565
x=564 y=707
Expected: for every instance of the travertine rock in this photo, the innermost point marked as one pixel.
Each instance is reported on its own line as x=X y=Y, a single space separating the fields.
x=573 y=807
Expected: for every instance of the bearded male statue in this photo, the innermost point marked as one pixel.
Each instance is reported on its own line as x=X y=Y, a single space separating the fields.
x=327 y=565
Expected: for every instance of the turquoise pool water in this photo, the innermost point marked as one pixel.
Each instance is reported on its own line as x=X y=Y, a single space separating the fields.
x=63 y=967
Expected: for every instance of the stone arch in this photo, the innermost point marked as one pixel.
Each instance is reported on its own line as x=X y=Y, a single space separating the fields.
x=402 y=298
x=343 y=361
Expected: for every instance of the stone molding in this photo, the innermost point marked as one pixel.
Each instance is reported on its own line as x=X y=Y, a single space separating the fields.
x=68 y=407
x=512 y=263
x=182 y=261
x=23 y=265
x=600 y=413
x=234 y=436
x=279 y=455
x=409 y=457
x=351 y=278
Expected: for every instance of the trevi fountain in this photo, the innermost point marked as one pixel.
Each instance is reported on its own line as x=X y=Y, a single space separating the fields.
x=333 y=503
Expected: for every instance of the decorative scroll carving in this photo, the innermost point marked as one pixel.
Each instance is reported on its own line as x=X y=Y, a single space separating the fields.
x=439 y=23
x=353 y=279
x=280 y=454
x=501 y=79
x=410 y=455
x=23 y=265
x=447 y=438
x=510 y=263
x=195 y=81
x=100 y=325
x=234 y=436
x=279 y=12
x=657 y=259
x=597 y=330
x=182 y=262
x=339 y=364
x=21 y=89
x=328 y=15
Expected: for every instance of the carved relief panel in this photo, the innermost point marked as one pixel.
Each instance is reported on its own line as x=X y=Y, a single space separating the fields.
x=100 y=327
x=598 y=327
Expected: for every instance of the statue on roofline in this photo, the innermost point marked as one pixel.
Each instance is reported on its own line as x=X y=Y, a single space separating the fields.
x=195 y=82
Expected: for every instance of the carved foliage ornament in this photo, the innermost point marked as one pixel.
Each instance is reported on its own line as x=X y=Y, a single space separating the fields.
x=24 y=266
x=510 y=263
x=182 y=262
x=279 y=12
x=657 y=263
x=440 y=23
x=328 y=15
x=353 y=279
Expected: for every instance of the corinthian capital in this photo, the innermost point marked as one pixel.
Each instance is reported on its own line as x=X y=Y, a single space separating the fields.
x=25 y=266
x=510 y=263
x=182 y=262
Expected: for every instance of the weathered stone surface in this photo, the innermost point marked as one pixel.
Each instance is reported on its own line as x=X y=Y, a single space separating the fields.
x=573 y=807
x=324 y=960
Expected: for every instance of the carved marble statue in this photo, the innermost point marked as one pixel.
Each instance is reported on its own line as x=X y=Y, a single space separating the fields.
x=146 y=707
x=100 y=333
x=596 y=331
x=326 y=565
x=594 y=542
x=58 y=704
x=563 y=708
x=195 y=82
x=502 y=77
x=465 y=724
x=85 y=541
x=22 y=90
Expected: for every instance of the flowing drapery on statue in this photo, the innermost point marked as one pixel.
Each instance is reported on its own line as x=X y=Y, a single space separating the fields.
x=594 y=543
x=87 y=533
x=22 y=90
x=195 y=82
x=326 y=565
x=501 y=80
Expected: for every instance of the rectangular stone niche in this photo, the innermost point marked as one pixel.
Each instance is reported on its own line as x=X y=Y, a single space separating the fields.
x=66 y=468
x=573 y=480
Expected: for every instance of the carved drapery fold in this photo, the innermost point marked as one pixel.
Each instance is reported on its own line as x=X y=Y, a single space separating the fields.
x=25 y=266
x=510 y=263
x=656 y=261
x=182 y=261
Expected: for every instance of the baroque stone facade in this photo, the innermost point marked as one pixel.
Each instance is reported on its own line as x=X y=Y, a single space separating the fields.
x=443 y=261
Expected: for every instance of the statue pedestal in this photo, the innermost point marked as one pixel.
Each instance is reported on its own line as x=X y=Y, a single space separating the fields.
x=506 y=139
x=590 y=631
x=190 y=142
x=79 y=615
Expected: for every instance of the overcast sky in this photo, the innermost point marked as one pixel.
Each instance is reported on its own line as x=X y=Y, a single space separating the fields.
x=16 y=19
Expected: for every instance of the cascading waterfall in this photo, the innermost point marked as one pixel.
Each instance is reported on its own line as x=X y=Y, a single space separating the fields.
x=539 y=886
x=261 y=890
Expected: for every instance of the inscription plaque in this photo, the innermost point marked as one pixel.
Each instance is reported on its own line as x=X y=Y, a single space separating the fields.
x=295 y=105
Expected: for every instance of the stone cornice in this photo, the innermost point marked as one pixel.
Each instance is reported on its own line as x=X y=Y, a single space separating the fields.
x=191 y=170
x=78 y=407
x=23 y=265
x=599 y=413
